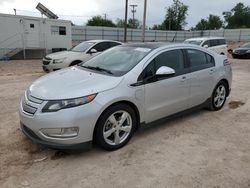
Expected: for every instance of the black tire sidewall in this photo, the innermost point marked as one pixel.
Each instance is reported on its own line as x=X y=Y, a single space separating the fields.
x=98 y=134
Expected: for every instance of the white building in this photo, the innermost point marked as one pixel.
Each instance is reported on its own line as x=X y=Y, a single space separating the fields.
x=32 y=36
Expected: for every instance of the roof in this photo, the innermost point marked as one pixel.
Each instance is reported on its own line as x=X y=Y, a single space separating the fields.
x=205 y=38
x=96 y=41
x=151 y=45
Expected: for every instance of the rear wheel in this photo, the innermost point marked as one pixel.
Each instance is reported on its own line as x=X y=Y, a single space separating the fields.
x=115 y=127
x=219 y=96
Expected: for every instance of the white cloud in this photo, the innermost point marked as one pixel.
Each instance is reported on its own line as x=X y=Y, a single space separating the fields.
x=80 y=10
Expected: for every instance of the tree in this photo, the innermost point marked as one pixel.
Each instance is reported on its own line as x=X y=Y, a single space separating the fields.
x=131 y=24
x=213 y=22
x=238 y=17
x=175 y=18
x=100 y=21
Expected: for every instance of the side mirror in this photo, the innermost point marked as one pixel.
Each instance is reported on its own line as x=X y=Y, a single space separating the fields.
x=165 y=71
x=205 y=46
x=93 y=51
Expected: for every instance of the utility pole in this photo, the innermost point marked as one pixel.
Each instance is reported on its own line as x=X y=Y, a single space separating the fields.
x=144 y=20
x=105 y=16
x=126 y=20
x=133 y=12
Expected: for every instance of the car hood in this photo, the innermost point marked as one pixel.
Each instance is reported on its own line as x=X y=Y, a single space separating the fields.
x=63 y=54
x=70 y=83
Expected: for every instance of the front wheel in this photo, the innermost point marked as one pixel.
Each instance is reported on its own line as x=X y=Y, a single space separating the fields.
x=115 y=127
x=219 y=96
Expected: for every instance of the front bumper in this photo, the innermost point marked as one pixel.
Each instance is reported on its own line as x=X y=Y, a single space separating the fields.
x=83 y=117
x=34 y=138
x=49 y=66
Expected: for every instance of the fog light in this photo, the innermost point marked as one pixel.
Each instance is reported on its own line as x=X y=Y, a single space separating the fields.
x=61 y=132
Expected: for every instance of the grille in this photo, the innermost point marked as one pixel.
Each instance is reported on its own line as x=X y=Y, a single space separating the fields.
x=29 y=132
x=28 y=109
x=46 y=62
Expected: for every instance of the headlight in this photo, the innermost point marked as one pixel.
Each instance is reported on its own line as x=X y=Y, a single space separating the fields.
x=56 y=105
x=55 y=61
x=248 y=51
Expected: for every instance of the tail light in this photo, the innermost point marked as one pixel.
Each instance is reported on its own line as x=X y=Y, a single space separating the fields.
x=226 y=62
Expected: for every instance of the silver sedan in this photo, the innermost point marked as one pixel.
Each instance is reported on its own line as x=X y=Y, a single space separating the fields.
x=107 y=98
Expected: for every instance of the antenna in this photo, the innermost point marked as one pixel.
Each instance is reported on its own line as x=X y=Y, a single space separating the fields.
x=45 y=11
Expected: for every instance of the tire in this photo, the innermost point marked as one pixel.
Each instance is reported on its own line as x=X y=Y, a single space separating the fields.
x=218 y=97
x=110 y=133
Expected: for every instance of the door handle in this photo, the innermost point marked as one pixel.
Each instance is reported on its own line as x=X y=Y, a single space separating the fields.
x=211 y=71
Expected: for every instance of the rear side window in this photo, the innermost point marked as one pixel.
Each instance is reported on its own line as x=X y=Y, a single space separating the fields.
x=101 y=46
x=214 y=42
x=222 y=41
x=196 y=58
x=112 y=44
x=199 y=60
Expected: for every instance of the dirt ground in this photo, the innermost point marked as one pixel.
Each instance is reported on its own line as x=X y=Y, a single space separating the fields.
x=202 y=149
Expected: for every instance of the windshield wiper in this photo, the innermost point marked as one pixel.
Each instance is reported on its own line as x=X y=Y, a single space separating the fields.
x=98 y=69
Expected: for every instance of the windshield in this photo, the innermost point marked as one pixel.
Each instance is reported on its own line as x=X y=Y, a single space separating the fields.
x=118 y=60
x=82 y=47
x=247 y=45
x=196 y=42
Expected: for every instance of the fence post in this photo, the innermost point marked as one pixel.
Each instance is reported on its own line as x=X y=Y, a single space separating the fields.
x=118 y=35
x=155 y=36
x=166 y=35
x=102 y=33
x=223 y=32
x=240 y=36
x=85 y=33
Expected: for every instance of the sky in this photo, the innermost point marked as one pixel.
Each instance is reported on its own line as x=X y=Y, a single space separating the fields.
x=79 y=11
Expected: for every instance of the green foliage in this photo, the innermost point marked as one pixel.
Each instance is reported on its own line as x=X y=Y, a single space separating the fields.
x=213 y=22
x=136 y=24
x=100 y=21
x=175 y=18
x=238 y=17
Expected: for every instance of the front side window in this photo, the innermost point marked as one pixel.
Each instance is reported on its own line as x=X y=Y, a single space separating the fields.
x=173 y=59
x=206 y=43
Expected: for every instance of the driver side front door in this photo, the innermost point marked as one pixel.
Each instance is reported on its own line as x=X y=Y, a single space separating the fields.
x=168 y=95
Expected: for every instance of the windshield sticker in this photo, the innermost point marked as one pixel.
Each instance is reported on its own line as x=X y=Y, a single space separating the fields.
x=143 y=49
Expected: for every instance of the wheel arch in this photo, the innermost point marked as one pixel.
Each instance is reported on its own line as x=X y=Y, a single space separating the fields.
x=227 y=85
x=131 y=104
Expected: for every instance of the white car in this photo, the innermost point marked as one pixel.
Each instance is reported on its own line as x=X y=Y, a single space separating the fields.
x=217 y=44
x=107 y=98
x=80 y=53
